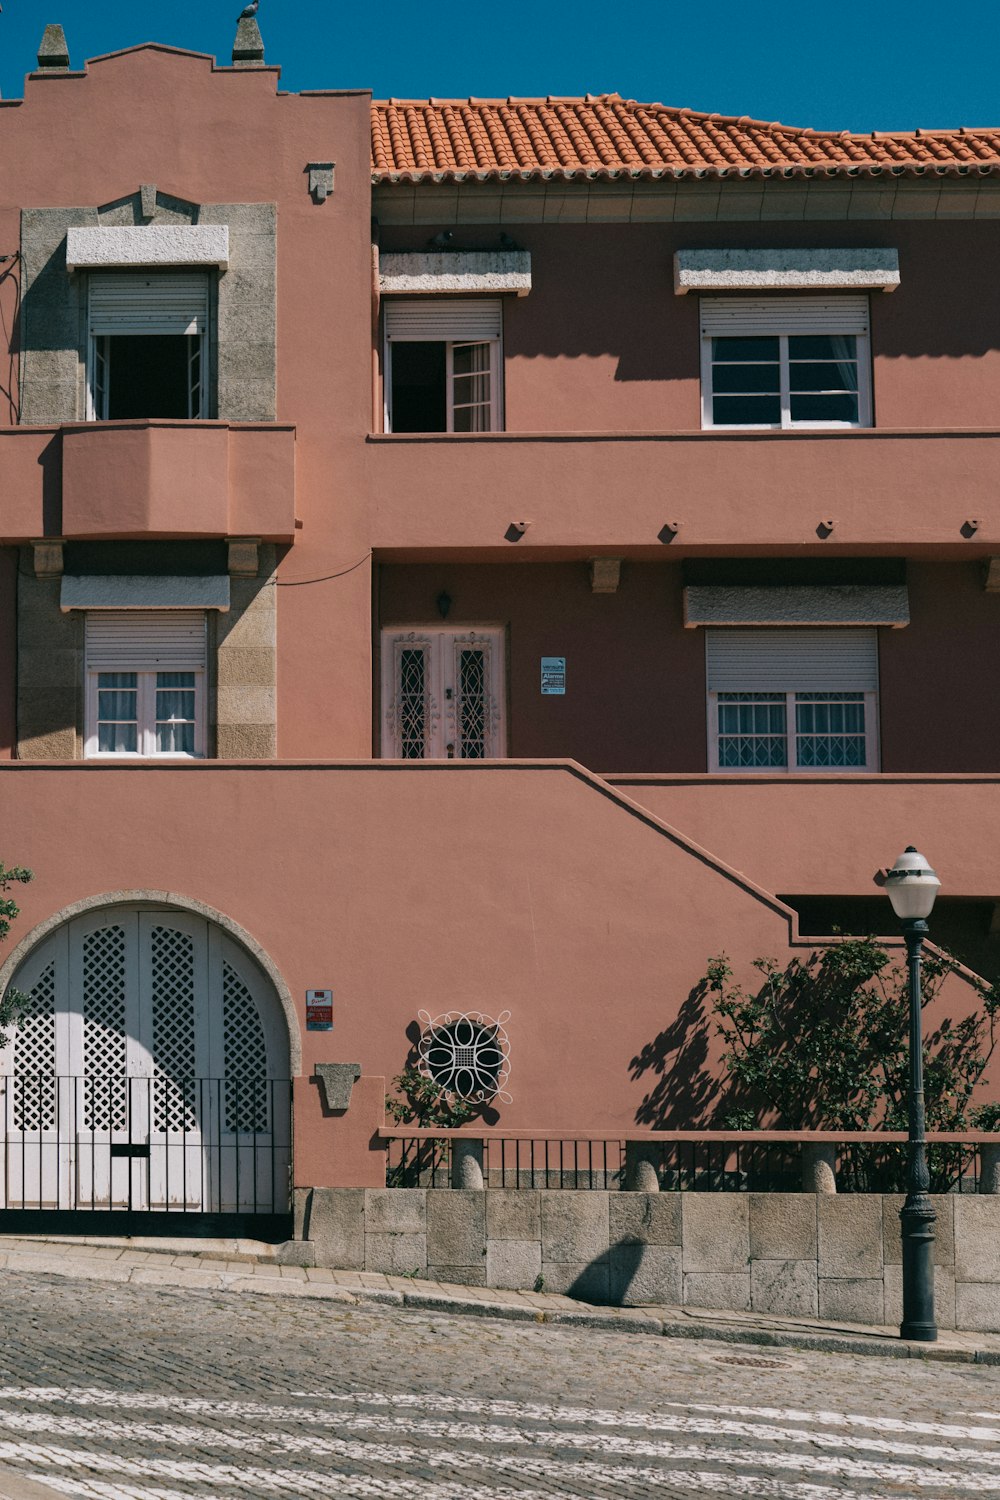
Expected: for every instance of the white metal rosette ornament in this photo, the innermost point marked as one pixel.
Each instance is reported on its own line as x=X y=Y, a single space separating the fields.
x=466 y=1054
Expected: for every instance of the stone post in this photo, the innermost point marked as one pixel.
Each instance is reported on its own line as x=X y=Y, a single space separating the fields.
x=641 y=1175
x=467 y=1164
x=53 y=53
x=248 y=48
x=819 y=1168
x=989 y=1169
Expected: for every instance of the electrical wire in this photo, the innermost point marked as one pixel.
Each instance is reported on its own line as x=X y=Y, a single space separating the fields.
x=298 y=583
x=7 y=391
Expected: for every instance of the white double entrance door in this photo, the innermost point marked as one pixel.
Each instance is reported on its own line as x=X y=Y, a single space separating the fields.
x=443 y=693
x=149 y=1072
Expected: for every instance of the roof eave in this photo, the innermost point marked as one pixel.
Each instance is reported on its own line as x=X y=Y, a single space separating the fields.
x=787 y=171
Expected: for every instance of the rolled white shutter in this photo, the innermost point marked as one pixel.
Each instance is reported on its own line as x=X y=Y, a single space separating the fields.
x=160 y=302
x=168 y=640
x=787 y=661
x=455 y=319
x=778 y=313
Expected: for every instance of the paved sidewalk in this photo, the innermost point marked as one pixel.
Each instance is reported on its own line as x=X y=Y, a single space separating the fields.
x=250 y=1266
x=14 y=1486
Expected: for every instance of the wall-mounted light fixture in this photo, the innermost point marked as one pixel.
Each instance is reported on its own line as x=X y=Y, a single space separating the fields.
x=444 y=604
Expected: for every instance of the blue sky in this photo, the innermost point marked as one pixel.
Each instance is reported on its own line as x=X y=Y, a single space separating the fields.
x=886 y=65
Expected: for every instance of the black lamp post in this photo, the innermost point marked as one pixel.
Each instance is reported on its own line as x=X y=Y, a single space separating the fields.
x=912 y=886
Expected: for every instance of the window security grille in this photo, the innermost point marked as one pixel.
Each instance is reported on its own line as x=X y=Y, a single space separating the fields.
x=792 y=699
x=442 y=694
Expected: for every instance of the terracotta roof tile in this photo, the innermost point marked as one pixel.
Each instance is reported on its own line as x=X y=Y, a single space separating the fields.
x=416 y=140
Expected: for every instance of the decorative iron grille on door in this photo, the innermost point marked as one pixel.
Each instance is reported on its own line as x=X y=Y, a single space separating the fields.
x=149 y=1073
x=442 y=694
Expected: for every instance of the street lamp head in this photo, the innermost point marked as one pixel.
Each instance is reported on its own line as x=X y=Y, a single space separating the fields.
x=912 y=885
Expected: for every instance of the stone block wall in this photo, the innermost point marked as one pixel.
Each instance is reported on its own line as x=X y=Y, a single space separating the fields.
x=786 y=1254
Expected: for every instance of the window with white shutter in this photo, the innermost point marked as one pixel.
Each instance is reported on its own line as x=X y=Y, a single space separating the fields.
x=148 y=344
x=785 y=361
x=442 y=365
x=792 y=700
x=145 y=692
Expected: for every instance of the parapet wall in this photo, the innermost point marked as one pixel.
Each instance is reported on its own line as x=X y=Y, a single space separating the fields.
x=785 y=1254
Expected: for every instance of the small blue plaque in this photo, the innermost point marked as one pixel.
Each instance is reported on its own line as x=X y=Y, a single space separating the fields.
x=553 y=676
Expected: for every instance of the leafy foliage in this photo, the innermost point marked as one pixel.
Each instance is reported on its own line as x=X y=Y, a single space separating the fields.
x=14 y=1003
x=421 y=1102
x=823 y=1043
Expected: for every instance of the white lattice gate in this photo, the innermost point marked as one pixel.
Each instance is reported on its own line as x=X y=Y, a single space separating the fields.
x=150 y=1072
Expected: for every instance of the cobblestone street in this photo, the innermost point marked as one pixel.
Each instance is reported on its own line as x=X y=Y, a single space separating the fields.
x=128 y=1392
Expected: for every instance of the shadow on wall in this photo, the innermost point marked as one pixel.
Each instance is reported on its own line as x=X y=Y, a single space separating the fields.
x=686 y=1093
x=50 y=463
x=631 y=1274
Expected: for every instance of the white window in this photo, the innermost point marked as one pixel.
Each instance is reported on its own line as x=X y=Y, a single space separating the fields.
x=145 y=683
x=792 y=700
x=442 y=365
x=780 y=362
x=147 y=351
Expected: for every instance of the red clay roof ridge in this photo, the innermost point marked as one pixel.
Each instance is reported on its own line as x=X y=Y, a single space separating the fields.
x=603 y=136
x=744 y=122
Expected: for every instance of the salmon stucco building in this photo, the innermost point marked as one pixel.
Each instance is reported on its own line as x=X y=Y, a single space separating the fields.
x=464 y=564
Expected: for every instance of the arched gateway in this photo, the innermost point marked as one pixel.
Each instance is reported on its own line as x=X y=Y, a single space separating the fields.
x=150 y=1072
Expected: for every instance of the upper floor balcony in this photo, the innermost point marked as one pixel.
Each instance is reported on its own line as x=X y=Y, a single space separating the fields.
x=578 y=492
x=148 y=480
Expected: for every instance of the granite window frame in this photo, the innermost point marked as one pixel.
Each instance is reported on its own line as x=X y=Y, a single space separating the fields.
x=242 y=365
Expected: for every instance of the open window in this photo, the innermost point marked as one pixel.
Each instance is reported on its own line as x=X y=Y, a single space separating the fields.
x=145 y=691
x=792 y=700
x=443 y=365
x=785 y=362
x=147 y=352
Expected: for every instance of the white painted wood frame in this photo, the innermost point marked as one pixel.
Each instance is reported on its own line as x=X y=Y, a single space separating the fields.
x=151 y=1054
x=789 y=662
x=454 y=322
x=425 y=715
x=781 y=317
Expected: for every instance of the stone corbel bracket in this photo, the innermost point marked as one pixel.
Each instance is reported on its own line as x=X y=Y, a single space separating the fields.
x=48 y=557
x=320 y=179
x=336 y=1081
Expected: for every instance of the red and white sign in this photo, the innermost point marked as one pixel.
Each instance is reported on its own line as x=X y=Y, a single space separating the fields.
x=319 y=1010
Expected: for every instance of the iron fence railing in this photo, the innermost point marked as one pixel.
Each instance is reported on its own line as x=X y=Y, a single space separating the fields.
x=689 y=1161
x=162 y=1144
x=416 y=1162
